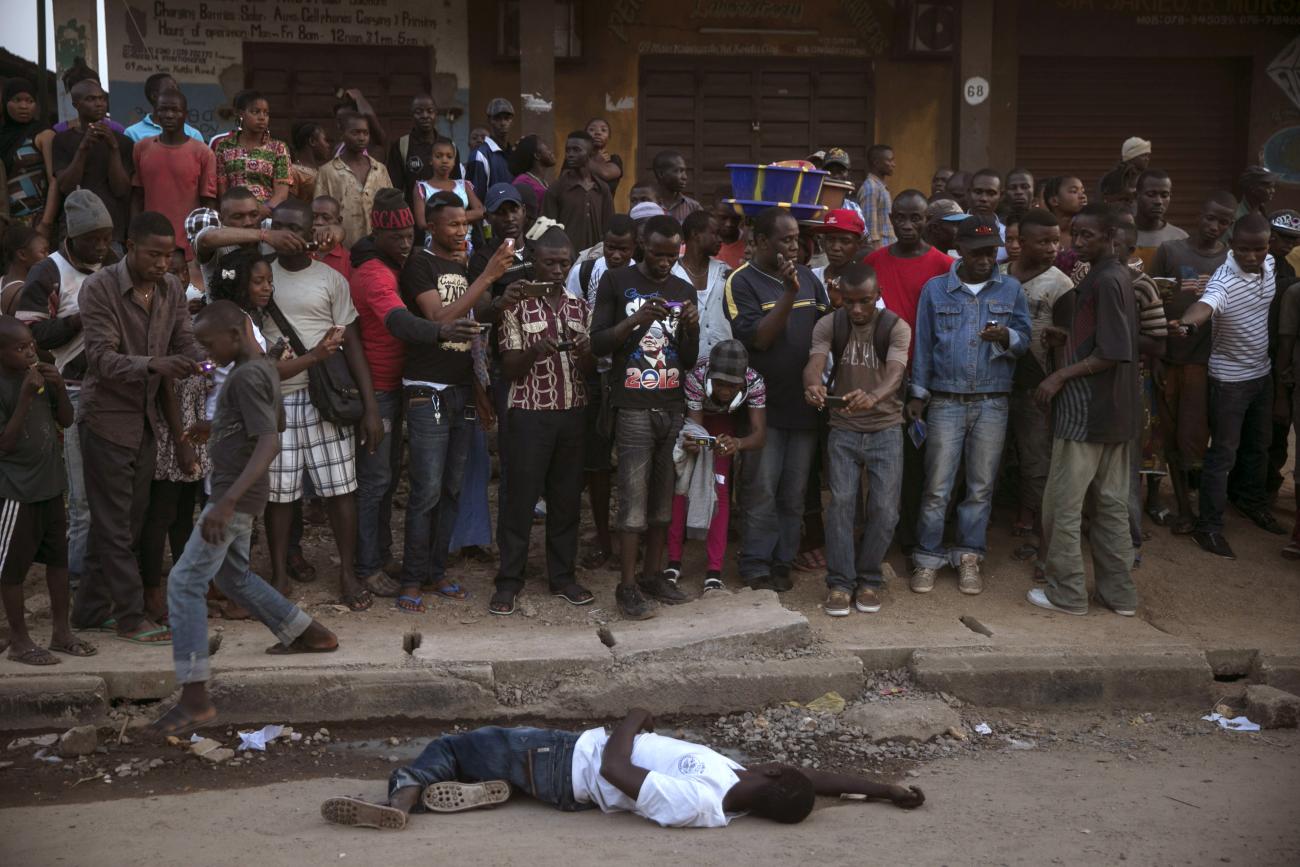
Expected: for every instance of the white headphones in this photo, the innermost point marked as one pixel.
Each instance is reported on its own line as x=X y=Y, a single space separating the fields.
x=735 y=401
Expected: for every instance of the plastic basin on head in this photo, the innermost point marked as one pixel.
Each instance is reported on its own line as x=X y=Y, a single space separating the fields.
x=751 y=208
x=776 y=184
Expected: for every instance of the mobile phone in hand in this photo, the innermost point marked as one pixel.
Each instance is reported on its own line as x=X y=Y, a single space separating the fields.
x=834 y=402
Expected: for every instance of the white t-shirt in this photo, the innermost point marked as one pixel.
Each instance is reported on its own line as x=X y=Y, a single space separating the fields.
x=314 y=300
x=975 y=288
x=70 y=280
x=684 y=788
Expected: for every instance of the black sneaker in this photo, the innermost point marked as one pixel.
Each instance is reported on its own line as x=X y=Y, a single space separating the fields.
x=1215 y=544
x=632 y=604
x=661 y=588
x=713 y=581
x=780 y=579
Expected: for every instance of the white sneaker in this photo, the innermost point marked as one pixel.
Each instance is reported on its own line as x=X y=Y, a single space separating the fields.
x=1038 y=596
x=922 y=579
x=968 y=575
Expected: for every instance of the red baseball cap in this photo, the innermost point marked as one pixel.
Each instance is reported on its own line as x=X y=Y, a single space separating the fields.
x=842 y=220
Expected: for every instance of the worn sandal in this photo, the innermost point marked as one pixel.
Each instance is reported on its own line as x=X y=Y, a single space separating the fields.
x=35 y=656
x=448 y=590
x=503 y=602
x=75 y=647
x=177 y=721
x=573 y=593
x=359 y=601
x=410 y=604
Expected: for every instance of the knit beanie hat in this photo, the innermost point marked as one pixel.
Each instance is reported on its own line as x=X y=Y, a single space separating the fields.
x=1134 y=147
x=86 y=213
x=390 y=211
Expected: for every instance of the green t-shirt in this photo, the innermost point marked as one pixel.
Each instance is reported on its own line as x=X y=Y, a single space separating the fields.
x=33 y=471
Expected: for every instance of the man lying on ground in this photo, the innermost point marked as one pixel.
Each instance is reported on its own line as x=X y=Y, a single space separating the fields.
x=670 y=782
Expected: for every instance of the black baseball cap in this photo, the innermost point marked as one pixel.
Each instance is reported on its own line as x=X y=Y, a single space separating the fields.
x=978 y=231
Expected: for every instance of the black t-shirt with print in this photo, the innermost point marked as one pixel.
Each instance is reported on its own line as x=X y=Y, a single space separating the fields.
x=443 y=363
x=650 y=366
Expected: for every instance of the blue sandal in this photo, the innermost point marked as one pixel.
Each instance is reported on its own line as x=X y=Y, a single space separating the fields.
x=415 y=604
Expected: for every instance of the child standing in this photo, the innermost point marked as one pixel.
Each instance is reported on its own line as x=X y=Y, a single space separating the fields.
x=443 y=162
x=245 y=439
x=33 y=524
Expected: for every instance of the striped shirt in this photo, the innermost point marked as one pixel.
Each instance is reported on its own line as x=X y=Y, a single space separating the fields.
x=1240 y=302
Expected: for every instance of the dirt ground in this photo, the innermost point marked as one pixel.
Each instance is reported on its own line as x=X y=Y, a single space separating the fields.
x=1086 y=789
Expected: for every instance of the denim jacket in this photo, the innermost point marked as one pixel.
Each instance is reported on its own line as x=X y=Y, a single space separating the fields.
x=949 y=355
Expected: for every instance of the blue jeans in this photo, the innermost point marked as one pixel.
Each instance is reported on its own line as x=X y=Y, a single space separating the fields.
x=956 y=429
x=536 y=761
x=439 y=436
x=777 y=481
x=227 y=565
x=78 y=510
x=474 y=517
x=1241 y=429
x=375 y=483
x=880 y=454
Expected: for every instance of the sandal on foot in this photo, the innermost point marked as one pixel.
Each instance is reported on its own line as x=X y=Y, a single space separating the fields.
x=177 y=721
x=503 y=602
x=597 y=559
x=148 y=636
x=1027 y=551
x=75 y=647
x=356 y=813
x=452 y=797
x=297 y=646
x=109 y=625
x=35 y=656
x=805 y=562
x=410 y=604
x=381 y=585
x=448 y=590
x=573 y=593
x=359 y=601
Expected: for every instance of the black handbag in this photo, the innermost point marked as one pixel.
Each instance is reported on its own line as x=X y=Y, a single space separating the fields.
x=330 y=386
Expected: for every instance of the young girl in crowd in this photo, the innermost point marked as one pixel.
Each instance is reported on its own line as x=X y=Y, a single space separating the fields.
x=443 y=162
x=604 y=165
x=22 y=248
x=249 y=157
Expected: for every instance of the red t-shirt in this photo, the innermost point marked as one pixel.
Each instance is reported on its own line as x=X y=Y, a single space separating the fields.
x=734 y=253
x=374 y=294
x=901 y=279
x=340 y=259
x=173 y=178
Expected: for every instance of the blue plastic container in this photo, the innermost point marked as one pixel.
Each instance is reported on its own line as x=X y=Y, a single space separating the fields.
x=778 y=185
x=751 y=208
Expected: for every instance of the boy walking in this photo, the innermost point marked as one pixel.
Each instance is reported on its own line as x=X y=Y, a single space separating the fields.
x=245 y=439
x=33 y=525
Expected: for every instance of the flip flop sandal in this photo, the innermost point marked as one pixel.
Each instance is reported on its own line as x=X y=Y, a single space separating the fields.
x=359 y=601
x=503 y=602
x=290 y=649
x=184 y=723
x=75 y=647
x=451 y=590
x=415 y=604
x=381 y=585
x=1161 y=517
x=452 y=797
x=35 y=656
x=1026 y=551
x=109 y=625
x=574 y=594
x=355 y=813
x=143 y=637
x=597 y=559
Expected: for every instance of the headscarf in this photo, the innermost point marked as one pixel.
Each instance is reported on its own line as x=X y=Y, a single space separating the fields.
x=13 y=133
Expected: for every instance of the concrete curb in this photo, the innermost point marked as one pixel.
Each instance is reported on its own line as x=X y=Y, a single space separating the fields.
x=44 y=701
x=1054 y=677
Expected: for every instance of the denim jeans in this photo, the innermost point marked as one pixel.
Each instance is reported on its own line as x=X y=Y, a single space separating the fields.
x=1104 y=469
x=957 y=429
x=78 y=510
x=644 y=440
x=880 y=454
x=536 y=761
x=376 y=474
x=1241 y=429
x=439 y=436
x=777 y=479
x=227 y=564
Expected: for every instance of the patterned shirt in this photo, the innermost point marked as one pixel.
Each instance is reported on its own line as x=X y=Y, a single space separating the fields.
x=28 y=183
x=554 y=382
x=874 y=199
x=258 y=168
x=355 y=199
x=697 y=396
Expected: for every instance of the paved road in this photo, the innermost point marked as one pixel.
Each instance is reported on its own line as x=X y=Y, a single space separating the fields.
x=1198 y=801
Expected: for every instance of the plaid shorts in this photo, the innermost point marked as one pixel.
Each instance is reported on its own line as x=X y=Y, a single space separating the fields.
x=325 y=450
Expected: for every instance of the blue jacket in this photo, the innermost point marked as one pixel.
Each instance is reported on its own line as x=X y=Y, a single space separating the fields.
x=488 y=165
x=949 y=354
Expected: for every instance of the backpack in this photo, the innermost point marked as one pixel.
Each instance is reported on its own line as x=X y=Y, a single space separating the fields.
x=584 y=279
x=841 y=328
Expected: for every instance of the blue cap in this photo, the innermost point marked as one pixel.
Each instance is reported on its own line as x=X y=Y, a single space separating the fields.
x=498 y=193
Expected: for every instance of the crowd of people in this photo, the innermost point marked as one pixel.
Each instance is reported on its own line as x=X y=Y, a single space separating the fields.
x=245 y=325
